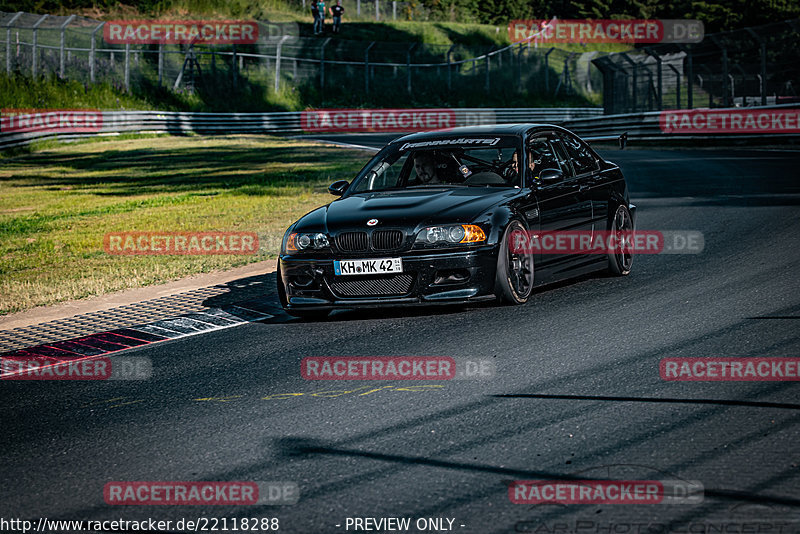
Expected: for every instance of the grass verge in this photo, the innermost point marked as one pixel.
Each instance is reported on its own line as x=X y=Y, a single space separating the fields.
x=59 y=200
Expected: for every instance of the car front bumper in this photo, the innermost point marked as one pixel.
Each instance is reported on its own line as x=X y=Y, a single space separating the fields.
x=429 y=277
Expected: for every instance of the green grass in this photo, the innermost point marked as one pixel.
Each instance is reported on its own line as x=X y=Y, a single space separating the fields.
x=59 y=200
x=24 y=92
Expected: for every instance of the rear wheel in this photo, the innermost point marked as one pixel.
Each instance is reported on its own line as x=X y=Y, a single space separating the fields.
x=620 y=259
x=514 y=277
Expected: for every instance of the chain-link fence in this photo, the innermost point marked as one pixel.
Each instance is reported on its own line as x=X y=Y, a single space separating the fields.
x=368 y=10
x=74 y=48
x=749 y=67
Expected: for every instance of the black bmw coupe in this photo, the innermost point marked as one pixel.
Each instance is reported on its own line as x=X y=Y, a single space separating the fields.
x=429 y=220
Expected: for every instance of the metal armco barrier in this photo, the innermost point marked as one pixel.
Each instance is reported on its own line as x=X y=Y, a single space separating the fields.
x=646 y=127
x=116 y=122
x=588 y=122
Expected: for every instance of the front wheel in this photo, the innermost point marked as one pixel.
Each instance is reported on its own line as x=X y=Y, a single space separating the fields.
x=514 y=277
x=620 y=259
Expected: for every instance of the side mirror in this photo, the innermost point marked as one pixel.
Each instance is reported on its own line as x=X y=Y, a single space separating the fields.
x=550 y=176
x=338 y=188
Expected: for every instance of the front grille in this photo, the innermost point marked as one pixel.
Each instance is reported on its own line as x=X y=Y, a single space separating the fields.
x=353 y=241
x=387 y=239
x=384 y=286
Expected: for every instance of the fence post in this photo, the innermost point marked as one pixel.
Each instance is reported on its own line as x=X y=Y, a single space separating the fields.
x=93 y=52
x=358 y=7
x=234 y=66
x=635 y=92
x=703 y=85
x=394 y=9
x=547 y=69
x=763 y=61
x=487 y=70
x=677 y=85
x=366 y=67
x=62 y=45
x=322 y=63
x=449 y=69
x=127 y=66
x=8 y=40
x=408 y=67
x=278 y=62
x=690 y=79
x=609 y=72
x=377 y=10
x=659 y=74
x=35 y=43
x=715 y=40
x=161 y=62
x=567 y=75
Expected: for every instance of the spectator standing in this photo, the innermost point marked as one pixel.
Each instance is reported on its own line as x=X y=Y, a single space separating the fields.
x=336 y=13
x=315 y=14
x=321 y=8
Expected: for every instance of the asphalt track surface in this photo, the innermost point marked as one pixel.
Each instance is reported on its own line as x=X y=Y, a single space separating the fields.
x=577 y=391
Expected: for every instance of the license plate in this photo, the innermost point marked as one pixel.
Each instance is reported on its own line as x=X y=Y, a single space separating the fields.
x=378 y=266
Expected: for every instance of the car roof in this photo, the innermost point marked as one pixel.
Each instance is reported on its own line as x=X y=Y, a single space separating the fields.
x=486 y=129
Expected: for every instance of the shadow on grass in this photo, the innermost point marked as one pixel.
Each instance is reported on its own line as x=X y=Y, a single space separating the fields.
x=188 y=168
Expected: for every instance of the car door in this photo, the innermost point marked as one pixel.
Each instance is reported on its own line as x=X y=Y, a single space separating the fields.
x=593 y=186
x=562 y=205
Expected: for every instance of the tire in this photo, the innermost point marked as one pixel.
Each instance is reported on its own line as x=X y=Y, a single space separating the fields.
x=302 y=314
x=620 y=260
x=515 y=272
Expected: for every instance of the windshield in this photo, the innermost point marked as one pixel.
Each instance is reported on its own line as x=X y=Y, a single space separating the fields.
x=473 y=161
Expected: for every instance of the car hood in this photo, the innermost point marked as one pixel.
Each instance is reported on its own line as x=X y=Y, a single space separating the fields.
x=410 y=208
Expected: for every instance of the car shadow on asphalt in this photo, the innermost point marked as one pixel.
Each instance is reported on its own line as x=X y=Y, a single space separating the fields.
x=259 y=294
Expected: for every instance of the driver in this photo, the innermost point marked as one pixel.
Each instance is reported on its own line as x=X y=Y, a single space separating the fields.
x=425 y=167
x=540 y=157
x=510 y=171
x=532 y=164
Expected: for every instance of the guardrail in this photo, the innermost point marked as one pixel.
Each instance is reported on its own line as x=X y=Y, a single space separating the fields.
x=588 y=122
x=117 y=122
x=646 y=126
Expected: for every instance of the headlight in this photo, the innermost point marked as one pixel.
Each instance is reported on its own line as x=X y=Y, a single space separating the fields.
x=296 y=242
x=451 y=235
